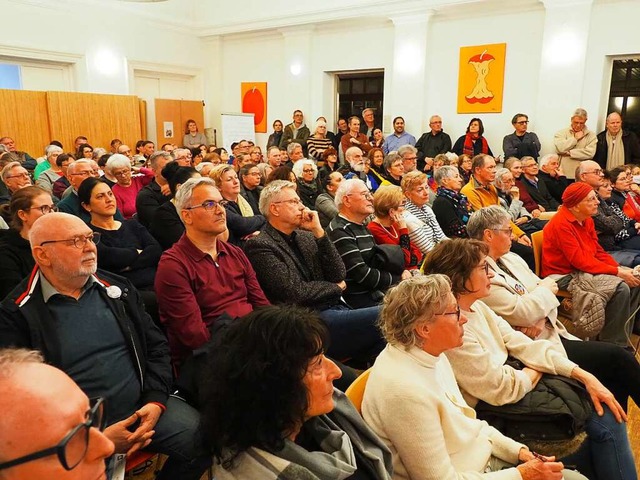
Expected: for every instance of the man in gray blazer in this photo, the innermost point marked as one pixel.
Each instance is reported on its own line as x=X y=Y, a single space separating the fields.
x=296 y=263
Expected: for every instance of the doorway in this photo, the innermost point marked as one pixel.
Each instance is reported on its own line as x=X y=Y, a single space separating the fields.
x=624 y=95
x=360 y=90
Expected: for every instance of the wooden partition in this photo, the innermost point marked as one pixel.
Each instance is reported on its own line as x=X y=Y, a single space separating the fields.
x=178 y=112
x=23 y=117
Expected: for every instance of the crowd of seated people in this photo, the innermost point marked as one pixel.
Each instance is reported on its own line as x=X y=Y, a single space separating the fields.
x=168 y=255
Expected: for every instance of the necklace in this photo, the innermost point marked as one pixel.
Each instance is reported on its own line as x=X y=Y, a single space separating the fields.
x=391 y=232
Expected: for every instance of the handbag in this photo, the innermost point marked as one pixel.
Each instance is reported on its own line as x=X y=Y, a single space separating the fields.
x=389 y=258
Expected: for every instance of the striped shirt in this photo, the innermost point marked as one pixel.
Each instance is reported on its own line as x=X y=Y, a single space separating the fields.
x=424 y=229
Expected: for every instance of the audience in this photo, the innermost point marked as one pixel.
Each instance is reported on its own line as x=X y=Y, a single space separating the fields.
x=514 y=165
x=15 y=177
x=521 y=143
x=623 y=195
x=325 y=203
x=509 y=197
x=250 y=187
x=575 y=143
x=394 y=168
x=536 y=189
x=61 y=185
x=51 y=153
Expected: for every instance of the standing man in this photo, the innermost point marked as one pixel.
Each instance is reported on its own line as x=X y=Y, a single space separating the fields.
x=343 y=129
x=296 y=131
x=432 y=143
x=368 y=122
x=575 y=144
x=521 y=143
x=398 y=138
x=616 y=146
x=353 y=138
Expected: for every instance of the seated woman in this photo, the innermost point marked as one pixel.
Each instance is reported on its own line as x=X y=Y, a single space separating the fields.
x=309 y=186
x=302 y=427
x=412 y=401
x=377 y=138
x=330 y=163
x=241 y=221
x=394 y=168
x=376 y=171
x=318 y=142
x=472 y=143
x=389 y=225
x=282 y=173
x=428 y=232
x=481 y=369
x=509 y=198
x=166 y=225
x=529 y=304
x=622 y=195
x=451 y=208
x=16 y=262
x=127 y=187
x=464 y=167
x=125 y=248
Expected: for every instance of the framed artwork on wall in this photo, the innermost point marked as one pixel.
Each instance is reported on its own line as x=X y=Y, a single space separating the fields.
x=254 y=100
x=481 y=78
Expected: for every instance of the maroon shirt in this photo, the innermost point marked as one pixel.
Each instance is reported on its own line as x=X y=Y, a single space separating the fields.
x=193 y=290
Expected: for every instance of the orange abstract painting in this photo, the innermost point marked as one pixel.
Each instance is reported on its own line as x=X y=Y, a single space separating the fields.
x=254 y=100
x=481 y=78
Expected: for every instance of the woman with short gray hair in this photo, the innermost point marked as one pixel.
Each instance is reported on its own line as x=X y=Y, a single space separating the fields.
x=309 y=186
x=127 y=185
x=451 y=207
x=509 y=198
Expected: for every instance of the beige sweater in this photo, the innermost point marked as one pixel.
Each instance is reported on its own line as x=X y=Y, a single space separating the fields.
x=577 y=150
x=479 y=363
x=413 y=403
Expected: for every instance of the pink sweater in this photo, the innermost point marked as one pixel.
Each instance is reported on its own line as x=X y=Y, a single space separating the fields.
x=126 y=196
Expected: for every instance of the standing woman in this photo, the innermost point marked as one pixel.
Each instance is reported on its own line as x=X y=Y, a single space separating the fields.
x=276 y=136
x=318 y=142
x=16 y=262
x=192 y=137
x=472 y=143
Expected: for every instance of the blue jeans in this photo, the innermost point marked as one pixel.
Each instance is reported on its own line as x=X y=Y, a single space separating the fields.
x=354 y=333
x=606 y=455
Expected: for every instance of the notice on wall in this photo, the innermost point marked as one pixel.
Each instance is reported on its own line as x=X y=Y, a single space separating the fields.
x=168 y=129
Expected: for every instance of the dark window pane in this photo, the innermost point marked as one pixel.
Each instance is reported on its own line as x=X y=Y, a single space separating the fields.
x=618 y=74
x=357 y=86
x=633 y=109
x=343 y=87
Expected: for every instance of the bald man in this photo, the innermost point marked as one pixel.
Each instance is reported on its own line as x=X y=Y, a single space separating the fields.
x=40 y=407
x=616 y=146
x=92 y=325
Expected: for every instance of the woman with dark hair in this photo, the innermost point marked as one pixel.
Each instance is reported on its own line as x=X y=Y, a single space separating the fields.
x=301 y=427
x=330 y=163
x=472 y=143
x=16 y=262
x=377 y=138
x=193 y=137
x=376 y=166
x=85 y=151
x=622 y=195
x=196 y=155
x=276 y=136
x=166 y=226
x=125 y=248
x=224 y=155
x=483 y=373
x=282 y=173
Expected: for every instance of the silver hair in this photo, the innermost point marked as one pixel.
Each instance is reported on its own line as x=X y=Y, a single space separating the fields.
x=299 y=166
x=270 y=192
x=7 y=169
x=291 y=147
x=319 y=123
x=72 y=166
x=117 y=160
x=155 y=156
x=407 y=148
x=501 y=172
x=580 y=112
x=547 y=158
x=613 y=113
x=98 y=152
x=178 y=152
x=51 y=149
x=389 y=159
x=10 y=358
x=345 y=188
x=350 y=152
x=487 y=218
x=185 y=192
x=272 y=147
x=446 y=171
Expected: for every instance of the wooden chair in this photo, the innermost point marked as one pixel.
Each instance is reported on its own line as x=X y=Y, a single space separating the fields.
x=355 y=392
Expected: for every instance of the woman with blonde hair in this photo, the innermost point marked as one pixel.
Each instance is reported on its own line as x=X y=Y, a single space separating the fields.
x=318 y=142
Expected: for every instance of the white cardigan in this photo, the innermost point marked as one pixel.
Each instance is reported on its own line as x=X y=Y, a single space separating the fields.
x=413 y=403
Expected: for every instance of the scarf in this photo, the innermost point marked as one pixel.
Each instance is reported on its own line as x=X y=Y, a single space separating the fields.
x=615 y=150
x=469 y=144
x=458 y=200
x=245 y=207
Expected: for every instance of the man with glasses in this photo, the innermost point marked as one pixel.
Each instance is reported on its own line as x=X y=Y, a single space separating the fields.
x=183 y=156
x=432 y=142
x=49 y=429
x=409 y=155
x=521 y=143
x=575 y=143
x=93 y=326
x=26 y=160
x=15 y=177
x=296 y=263
x=201 y=278
x=537 y=190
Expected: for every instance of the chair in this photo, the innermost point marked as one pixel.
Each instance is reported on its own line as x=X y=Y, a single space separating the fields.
x=355 y=392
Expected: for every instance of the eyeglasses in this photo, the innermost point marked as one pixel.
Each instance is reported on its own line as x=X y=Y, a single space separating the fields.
x=307 y=170
x=523 y=122
x=209 y=205
x=79 y=242
x=456 y=312
x=123 y=173
x=503 y=230
x=294 y=201
x=84 y=174
x=485 y=267
x=18 y=175
x=44 y=208
x=368 y=195
x=596 y=172
x=73 y=447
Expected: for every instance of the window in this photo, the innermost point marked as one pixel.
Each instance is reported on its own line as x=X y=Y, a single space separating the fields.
x=10 y=77
x=357 y=91
x=624 y=95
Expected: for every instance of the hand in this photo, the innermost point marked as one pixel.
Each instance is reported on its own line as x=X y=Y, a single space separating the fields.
x=549 y=283
x=531 y=332
x=166 y=191
x=599 y=394
x=149 y=416
x=533 y=375
x=514 y=192
x=342 y=285
x=354 y=141
x=311 y=223
x=538 y=470
x=521 y=220
x=524 y=240
x=406 y=274
x=536 y=213
x=526 y=455
x=123 y=439
x=578 y=135
x=626 y=274
x=398 y=218
x=541 y=208
x=637 y=227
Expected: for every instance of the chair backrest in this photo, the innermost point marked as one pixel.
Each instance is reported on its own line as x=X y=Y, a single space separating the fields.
x=536 y=245
x=355 y=392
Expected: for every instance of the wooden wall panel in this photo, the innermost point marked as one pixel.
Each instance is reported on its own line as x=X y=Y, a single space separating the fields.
x=168 y=111
x=98 y=117
x=142 y=104
x=23 y=117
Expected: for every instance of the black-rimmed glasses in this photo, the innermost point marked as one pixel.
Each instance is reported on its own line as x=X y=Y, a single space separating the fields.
x=456 y=312
x=44 y=208
x=209 y=205
x=80 y=241
x=73 y=447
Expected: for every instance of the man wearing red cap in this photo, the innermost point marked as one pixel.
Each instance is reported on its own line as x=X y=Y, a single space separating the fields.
x=571 y=244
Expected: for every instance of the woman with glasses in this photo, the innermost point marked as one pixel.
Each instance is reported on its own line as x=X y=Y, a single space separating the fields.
x=412 y=401
x=127 y=186
x=451 y=208
x=16 y=262
x=622 y=195
x=309 y=186
x=125 y=248
x=484 y=373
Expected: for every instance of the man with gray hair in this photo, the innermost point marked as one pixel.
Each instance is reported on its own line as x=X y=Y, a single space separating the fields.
x=26 y=160
x=576 y=143
x=553 y=176
x=432 y=143
x=355 y=160
x=183 y=156
x=201 y=278
x=409 y=155
x=15 y=177
x=273 y=156
x=366 y=284
x=295 y=262
x=157 y=192
x=616 y=146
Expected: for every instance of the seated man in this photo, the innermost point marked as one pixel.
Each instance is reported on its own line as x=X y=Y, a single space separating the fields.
x=41 y=406
x=157 y=192
x=365 y=284
x=199 y=278
x=515 y=167
x=26 y=160
x=95 y=329
x=571 y=244
x=537 y=189
x=552 y=176
x=15 y=177
x=295 y=262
